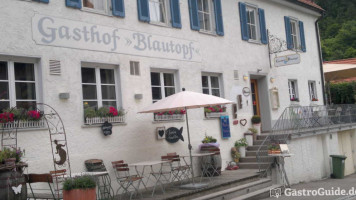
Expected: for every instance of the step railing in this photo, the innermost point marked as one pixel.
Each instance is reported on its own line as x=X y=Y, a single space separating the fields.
x=303 y=119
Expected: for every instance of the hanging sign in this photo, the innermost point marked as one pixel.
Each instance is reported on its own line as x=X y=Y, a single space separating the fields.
x=107 y=128
x=225 y=126
x=173 y=135
x=287 y=60
x=246 y=91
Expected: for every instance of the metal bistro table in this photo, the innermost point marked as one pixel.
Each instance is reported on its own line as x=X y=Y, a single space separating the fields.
x=279 y=162
x=103 y=183
x=203 y=157
x=150 y=164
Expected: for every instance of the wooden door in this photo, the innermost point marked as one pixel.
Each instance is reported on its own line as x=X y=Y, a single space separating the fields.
x=255 y=99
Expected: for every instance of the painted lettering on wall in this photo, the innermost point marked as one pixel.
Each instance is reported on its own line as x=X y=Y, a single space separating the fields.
x=60 y=32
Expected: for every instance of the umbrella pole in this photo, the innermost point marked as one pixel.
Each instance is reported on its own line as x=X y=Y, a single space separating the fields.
x=189 y=145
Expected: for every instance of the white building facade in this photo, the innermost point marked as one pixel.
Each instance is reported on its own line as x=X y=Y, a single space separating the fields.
x=129 y=54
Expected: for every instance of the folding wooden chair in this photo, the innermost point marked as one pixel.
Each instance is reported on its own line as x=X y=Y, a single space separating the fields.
x=179 y=172
x=40 y=193
x=125 y=179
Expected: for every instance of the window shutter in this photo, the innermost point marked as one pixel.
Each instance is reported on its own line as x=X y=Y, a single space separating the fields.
x=263 y=30
x=74 y=3
x=243 y=21
x=43 y=1
x=143 y=10
x=302 y=36
x=193 y=13
x=118 y=8
x=218 y=18
x=175 y=14
x=288 y=32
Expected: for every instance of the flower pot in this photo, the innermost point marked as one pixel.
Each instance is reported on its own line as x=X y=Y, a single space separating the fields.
x=242 y=151
x=276 y=152
x=236 y=160
x=270 y=152
x=79 y=194
x=258 y=128
x=10 y=161
x=249 y=138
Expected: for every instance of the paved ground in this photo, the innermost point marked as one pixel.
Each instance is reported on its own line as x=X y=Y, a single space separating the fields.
x=344 y=184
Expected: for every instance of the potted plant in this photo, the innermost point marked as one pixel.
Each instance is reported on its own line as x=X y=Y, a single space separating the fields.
x=103 y=114
x=79 y=188
x=169 y=115
x=241 y=145
x=11 y=156
x=274 y=149
x=293 y=99
x=235 y=155
x=214 y=111
x=254 y=136
x=256 y=122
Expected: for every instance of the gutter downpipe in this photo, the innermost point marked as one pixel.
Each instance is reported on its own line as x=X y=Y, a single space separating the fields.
x=320 y=57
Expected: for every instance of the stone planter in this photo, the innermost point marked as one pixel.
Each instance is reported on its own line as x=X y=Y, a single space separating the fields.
x=258 y=128
x=242 y=151
x=249 y=138
x=79 y=194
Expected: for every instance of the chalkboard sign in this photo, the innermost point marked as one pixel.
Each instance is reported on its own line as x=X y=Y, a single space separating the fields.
x=225 y=126
x=173 y=135
x=107 y=128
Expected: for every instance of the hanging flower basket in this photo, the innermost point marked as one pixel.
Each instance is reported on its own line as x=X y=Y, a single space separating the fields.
x=101 y=120
x=169 y=115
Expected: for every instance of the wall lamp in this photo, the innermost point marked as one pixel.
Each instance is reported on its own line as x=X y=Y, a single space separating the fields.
x=272 y=79
x=245 y=77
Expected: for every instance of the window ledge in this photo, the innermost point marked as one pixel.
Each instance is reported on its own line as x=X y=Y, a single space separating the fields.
x=95 y=12
x=255 y=42
x=31 y=129
x=160 y=24
x=99 y=125
x=212 y=33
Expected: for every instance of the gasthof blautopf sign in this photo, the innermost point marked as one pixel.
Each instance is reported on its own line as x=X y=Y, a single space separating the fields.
x=53 y=31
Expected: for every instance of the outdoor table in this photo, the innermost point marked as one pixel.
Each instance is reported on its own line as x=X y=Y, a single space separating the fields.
x=141 y=173
x=203 y=161
x=279 y=162
x=103 y=183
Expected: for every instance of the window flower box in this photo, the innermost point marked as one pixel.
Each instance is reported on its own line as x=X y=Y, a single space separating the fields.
x=315 y=99
x=215 y=111
x=23 y=124
x=169 y=115
x=22 y=119
x=294 y=99
x=215 y=114
x=101 y=120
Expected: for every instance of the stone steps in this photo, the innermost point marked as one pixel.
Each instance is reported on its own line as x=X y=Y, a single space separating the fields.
x=252 y=165
x=254 y=159
x=258 y=194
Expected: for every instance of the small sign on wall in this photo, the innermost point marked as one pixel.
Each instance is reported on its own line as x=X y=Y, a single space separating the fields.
x=107 y=128
x=173 y=135
x=287 y=60
x=160 y=133
x=225 y=126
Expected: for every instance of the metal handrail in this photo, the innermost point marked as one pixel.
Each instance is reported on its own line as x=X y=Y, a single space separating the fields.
x=303 y=119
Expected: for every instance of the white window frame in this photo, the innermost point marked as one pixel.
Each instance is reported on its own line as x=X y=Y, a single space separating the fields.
x=293 y=92
x=12 y=82
x=135 y=68
x=209 y=75
x=107 y=7
x=295 y=36
x=98 y=83
x=211 y=17
x=312 y=90
x=166 y=14
x=250 y=7
x=162 y=86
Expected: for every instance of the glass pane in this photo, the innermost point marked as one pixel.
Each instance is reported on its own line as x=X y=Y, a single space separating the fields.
x=156 y=93
x=108 y=92
x=248 y=17
x=169 y=91
x=253 y=32
x=215 y=92
x=3 y=71
x=89 y=92
x=28 y=105
x=88 y=3
x=205 y=82
x=109 y=103
x=201 y=20
x=214 y=82
x=206 y=6
x=96 y=4
x=24 y=72
x=207 y=22
x=88 y=75
x=107 y=76
x=92 y=104
x=168 y=79
x=25 y=91
x=200 y=5
x=157 y=10
x=4 y=90
x=252 y=16
x=4 y=105
x=205 y=91
x=155 y=79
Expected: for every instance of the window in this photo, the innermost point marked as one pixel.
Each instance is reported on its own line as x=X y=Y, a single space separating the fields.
x=159 y=11
x=100 y=6
x=17 y=85
x=134 y=68
x=312 y=91
x=293 y=90
x=163 y=85
x=206 y=16
x=211 y=85
x=294 y=32
x=252 y=20
x=99 y=87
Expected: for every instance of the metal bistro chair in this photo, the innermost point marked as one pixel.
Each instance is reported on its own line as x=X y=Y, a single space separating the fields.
x=40 y=193
x=125 y=179
x=179 y=172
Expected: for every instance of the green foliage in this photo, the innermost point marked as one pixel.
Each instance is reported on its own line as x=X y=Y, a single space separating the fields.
x=274 y=147
x=235 y=154
x=256 y=119
x=241 y=143
x=89 y=112
x=253 y=130
x=343 y=93
x=209 y=139
x=338 y=29
x=11 y=153
x=81 y=182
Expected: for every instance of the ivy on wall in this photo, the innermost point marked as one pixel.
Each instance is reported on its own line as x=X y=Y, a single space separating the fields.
x=343 y=93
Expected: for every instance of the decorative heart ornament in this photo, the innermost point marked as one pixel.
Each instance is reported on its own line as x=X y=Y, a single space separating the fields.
x=161 y=133
x=243 y=122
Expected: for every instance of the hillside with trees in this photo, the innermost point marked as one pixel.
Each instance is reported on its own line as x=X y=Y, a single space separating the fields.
x=338 y=29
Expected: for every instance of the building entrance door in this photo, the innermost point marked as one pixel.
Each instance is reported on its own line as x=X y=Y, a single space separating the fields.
x=255 y=98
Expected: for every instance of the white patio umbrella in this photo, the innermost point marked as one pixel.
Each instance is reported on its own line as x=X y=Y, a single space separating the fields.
x=186 y=100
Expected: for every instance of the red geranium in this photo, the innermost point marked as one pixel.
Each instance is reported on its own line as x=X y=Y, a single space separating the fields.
x=34 y=114
x=113 y=111
x=6 y=117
